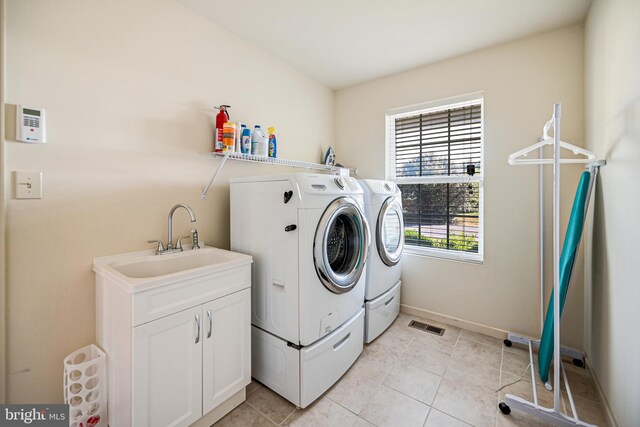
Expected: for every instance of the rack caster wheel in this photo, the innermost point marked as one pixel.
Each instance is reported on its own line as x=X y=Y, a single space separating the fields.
x=578 y=362
x=508 y=343
x=504 y=408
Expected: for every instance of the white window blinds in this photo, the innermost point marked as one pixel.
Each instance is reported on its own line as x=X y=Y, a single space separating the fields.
x=436 y=160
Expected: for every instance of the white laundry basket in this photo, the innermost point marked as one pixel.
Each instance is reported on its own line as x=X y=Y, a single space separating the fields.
x=85 y=387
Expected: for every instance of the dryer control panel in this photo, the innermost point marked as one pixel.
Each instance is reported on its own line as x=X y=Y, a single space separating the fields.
x=380 y=187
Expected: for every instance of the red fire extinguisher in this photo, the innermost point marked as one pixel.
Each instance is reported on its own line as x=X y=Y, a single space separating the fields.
x=221 y=118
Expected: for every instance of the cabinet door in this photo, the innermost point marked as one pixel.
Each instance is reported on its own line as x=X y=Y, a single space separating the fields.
x=167 y=370
x=226 y=348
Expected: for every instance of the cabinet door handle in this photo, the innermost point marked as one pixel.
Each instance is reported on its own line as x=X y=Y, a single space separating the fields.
x=210 y=323
x=198 y=325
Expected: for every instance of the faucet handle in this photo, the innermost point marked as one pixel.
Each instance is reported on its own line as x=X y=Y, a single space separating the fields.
x=179 y=243
x=160 y=245
x=194 y=239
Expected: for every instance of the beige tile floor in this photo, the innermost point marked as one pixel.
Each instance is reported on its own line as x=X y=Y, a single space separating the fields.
x=411 y=378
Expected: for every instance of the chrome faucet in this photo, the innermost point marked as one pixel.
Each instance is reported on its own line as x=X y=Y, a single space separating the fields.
x=170 y=220
x=178 y=247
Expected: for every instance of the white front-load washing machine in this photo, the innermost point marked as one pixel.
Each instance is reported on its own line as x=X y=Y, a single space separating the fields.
x=309 y=239
x=383 y=207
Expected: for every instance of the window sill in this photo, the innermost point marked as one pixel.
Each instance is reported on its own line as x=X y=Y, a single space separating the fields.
x=444 y=255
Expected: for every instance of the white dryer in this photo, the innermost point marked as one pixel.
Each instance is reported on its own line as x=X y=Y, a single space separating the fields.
x=309 y=240
x=383 y=207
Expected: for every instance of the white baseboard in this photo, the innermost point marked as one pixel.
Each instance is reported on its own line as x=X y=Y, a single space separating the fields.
x=603 y=399
x=453 y=321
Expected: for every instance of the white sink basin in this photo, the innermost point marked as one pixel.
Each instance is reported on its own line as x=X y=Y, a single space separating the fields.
x=161 y=265
x=145 y=269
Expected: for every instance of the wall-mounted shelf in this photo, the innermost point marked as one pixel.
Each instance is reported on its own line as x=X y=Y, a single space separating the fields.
x=273 y=161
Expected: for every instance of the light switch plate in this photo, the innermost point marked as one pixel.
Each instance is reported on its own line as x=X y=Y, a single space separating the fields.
x=28 y=185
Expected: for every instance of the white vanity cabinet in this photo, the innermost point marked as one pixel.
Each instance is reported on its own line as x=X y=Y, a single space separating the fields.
x=186 y=364
x=177 y=351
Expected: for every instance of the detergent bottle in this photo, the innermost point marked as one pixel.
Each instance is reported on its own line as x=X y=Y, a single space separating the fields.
x=258 y=142
x=245 y=140
x=229 y=131
x=273 y=145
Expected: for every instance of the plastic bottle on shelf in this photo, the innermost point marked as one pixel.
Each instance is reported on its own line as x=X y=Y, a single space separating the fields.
x=239 y=129
x=273 y=145
x=258 y=142
x=245 y=141
x=229 y=137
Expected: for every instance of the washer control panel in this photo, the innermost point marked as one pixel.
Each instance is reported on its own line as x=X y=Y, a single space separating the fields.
x=353 y=184
x=329 y=184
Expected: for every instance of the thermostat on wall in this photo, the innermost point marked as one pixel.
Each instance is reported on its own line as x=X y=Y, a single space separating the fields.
x=30 y=125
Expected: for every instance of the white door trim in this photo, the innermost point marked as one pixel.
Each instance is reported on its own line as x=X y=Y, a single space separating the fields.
x=3 y=204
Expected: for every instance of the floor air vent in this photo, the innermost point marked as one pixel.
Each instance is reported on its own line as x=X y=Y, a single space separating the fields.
x=426 y=327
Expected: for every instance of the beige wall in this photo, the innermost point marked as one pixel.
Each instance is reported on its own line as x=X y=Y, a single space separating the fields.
x=129 y=88
x=613 y=132
x=521 y=80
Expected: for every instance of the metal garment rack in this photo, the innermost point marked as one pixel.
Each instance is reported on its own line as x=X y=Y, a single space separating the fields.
x=341 y=171
x=552 y=415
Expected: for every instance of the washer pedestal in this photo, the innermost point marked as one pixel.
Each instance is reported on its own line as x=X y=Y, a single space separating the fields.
x=301 y=375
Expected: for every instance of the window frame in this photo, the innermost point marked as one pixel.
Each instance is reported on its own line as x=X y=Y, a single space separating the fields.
x=390 y=169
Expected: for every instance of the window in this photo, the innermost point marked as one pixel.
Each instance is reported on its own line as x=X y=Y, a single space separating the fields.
x=434 y=154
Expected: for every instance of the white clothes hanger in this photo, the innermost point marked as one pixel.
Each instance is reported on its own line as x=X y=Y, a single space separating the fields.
x=552 y=415
x=515 y=158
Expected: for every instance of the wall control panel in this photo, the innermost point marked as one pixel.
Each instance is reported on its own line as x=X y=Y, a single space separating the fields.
x=30 y=125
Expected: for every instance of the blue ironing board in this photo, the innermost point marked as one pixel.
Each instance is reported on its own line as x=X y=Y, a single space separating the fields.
x=569 y=251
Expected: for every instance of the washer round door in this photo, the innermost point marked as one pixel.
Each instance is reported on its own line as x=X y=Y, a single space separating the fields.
x=390 y=232
x=341 y=245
